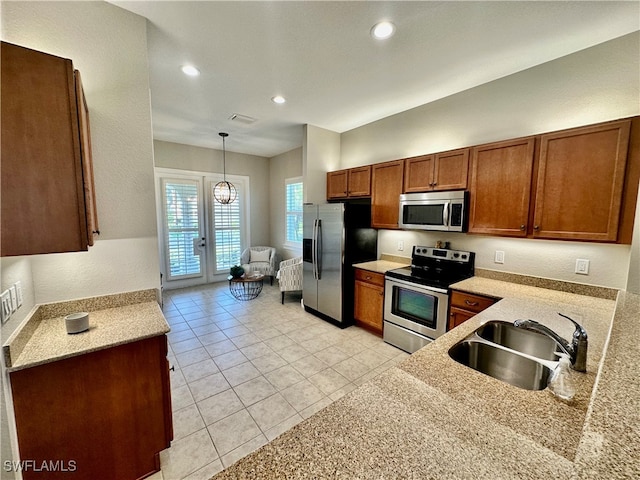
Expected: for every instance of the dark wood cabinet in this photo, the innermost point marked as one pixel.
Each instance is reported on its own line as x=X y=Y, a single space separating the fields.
x=500 y=187
x=48 y=198
x=369 y=299
x=105 y=414
x=440 y=171
x=386 y=187
x=580 y=183
x=463 y=306
x=349 y=183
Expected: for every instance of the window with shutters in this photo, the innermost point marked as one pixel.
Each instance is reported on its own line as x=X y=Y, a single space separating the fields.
x=181 y=202
x=293 y=211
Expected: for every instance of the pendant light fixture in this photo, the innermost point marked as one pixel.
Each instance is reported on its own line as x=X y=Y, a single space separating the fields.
x=224 y=192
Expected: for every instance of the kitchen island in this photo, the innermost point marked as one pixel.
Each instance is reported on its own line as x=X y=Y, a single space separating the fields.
x=431 y=417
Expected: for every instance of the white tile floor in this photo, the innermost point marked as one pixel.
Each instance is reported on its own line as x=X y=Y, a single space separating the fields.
x=245 y=372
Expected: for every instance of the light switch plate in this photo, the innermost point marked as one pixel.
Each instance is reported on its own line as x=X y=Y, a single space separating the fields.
x=5 y=306
x=14 y=298
x=19 y=293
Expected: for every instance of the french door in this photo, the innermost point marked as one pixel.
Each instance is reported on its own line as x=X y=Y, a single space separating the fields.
x=200 y=238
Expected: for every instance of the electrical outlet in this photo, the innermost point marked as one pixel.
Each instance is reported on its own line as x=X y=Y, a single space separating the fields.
x=19 y=293
x=499 y=258
x=582 y=266
x=5 y=305
x=400 y=245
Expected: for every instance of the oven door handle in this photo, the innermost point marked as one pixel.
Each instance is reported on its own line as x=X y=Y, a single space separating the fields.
x=416 y=286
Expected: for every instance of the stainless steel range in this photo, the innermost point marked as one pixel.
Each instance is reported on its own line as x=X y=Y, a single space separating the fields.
x=416 y=298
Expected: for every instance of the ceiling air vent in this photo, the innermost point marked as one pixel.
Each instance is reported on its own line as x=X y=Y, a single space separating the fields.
x=236 y=117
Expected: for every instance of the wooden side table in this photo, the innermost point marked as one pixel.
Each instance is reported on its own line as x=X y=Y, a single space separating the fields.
x=246 y=287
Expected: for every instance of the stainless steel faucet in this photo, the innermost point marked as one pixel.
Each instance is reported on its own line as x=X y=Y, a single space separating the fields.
x=577 y=349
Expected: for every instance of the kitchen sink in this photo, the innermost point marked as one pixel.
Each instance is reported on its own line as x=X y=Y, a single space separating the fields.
x=519 y=339
x=501 y=363
x=520 y=357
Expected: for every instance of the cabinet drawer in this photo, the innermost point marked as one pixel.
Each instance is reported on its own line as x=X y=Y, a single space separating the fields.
x=370 y=277
x=470 y=302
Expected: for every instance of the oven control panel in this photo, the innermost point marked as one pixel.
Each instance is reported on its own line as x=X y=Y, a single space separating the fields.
x=442 y=253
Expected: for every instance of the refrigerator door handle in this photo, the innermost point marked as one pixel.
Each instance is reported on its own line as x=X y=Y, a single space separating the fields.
x=318 y=263
x=314 y=249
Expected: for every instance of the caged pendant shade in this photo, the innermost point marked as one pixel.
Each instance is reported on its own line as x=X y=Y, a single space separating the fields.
x=224 y=192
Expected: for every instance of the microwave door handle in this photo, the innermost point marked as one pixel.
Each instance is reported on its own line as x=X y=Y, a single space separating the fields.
x=445 y=214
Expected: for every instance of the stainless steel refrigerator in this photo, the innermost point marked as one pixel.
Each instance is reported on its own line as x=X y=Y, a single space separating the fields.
x=335 y=236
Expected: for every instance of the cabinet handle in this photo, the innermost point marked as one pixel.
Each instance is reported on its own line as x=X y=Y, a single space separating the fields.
x=97 y=232
x=471 y=304
x=536 y=227
x=173 y=368
x=522 y=227
x=368 y=277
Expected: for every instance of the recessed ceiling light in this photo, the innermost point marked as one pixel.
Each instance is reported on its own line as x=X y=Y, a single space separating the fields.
x=383 y=30
x=278 y=99
x=190 y=70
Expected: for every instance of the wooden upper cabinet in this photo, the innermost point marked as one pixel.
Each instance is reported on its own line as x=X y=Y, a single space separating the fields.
x=349 y=183
x=580 y=182
x=386 y=187
x=48 y=203
x=500 y=187
x=440 y=171
x=418 y=173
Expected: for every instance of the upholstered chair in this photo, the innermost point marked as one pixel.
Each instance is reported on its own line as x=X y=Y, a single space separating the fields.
x=290 y=276
x=260 y=260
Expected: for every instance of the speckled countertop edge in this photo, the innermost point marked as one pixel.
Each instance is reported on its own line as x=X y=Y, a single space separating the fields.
x=34 y=341
x=387 y=262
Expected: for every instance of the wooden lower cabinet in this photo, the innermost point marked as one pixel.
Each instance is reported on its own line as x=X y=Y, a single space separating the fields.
x=463 y=306
x=105 y=414
x=369 y=299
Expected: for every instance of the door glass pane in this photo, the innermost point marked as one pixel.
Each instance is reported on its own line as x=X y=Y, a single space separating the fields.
x=227 y=227
x=182 y=226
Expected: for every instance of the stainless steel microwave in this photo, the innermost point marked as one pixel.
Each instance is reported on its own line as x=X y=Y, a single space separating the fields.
x=437 y=211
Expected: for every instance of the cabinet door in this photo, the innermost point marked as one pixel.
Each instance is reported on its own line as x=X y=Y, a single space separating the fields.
x=451 y=169
x=387 y=184
x=458 y=316
x=418 y=173
x=368 y=304
x=580 y=183
x=107 y=411
x=43 y=197
x=360 y=181
x=337 y=184
x=500 y=187
x=91 y=212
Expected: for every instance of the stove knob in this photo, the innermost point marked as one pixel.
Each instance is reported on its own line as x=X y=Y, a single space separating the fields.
x=464 y=257
x=456 y=255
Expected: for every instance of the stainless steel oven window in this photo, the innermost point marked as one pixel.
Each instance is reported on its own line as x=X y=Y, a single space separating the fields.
x=416 y=306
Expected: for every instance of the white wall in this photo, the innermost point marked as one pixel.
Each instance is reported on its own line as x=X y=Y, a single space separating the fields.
x=281 y=167
x=598 y=84
x=199 y=159
x=320 y=154
x=108 y=45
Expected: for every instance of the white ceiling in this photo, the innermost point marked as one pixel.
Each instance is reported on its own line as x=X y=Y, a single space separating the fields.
x=321 y=57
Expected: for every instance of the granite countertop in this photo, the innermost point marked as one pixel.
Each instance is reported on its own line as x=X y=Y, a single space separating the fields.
x=386 y=263
x=113 y=320
x=431 y=417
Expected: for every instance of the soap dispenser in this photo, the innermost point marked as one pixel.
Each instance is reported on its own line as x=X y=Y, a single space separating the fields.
x=561 y=382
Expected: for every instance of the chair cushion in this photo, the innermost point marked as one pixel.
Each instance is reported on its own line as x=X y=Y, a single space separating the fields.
x=260 y=255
